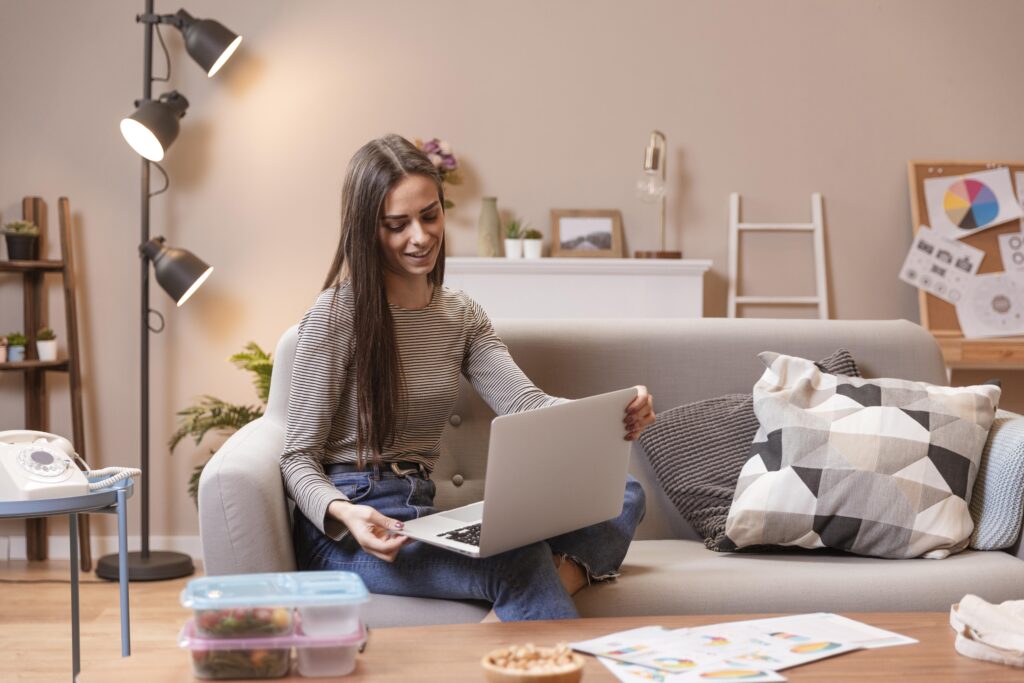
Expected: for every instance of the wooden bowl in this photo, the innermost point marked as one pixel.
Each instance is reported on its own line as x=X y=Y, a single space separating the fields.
x=493 y=673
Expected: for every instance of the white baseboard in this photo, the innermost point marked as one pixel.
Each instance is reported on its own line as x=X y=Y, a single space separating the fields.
x=14 y=548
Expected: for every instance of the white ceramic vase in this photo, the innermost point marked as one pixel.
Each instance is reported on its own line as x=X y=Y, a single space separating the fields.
x=532 y=248
x=47 y=349
x=513 y=248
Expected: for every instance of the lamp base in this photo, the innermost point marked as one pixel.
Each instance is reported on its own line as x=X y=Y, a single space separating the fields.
x=158 y=566
x=657 y=254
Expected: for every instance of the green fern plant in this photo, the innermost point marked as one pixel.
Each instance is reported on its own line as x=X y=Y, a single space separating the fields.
x=211 y=414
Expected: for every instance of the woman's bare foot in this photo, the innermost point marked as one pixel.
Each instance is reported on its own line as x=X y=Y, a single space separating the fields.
x=573 y=576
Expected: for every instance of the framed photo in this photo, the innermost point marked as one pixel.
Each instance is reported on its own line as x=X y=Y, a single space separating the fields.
x=586 y=233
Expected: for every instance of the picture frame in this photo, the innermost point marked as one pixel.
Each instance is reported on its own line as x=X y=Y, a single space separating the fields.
x=586 y=233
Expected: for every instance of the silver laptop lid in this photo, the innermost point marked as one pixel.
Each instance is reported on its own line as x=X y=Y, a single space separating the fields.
x=554 y=470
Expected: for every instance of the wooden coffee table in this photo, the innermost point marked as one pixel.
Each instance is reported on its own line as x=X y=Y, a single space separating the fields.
x=452 y=653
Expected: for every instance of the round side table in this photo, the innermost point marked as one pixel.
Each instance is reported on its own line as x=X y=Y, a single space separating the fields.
x=110 y=500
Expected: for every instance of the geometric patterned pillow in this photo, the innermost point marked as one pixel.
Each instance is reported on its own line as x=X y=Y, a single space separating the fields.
x=880 y=467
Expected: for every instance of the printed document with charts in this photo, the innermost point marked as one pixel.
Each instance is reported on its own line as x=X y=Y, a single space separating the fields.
x=941 y=267
x=742 y=650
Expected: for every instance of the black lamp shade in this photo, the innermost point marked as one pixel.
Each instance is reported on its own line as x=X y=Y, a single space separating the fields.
x=152 y=128
x=208 y=42
x=178 y=271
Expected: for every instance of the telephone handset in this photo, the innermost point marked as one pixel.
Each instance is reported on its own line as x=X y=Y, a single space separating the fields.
x=37 y=465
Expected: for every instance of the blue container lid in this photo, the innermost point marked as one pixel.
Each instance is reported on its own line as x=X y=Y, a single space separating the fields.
x=275 y=589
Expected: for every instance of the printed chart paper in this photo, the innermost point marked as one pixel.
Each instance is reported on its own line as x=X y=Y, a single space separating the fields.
x=743 y=644
x=959 y=206
x=1018 y=181
x=940 y=266
x=1011 y=249
x=737 y=646
x=634 y=673
x=835 y=627
x=993 y=306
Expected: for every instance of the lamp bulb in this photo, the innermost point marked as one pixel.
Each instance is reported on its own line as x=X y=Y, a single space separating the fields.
x=650 y=188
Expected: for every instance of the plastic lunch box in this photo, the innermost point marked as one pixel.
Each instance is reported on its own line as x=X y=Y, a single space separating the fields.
x=270 y=656
x=244 y=625
x=254 y=605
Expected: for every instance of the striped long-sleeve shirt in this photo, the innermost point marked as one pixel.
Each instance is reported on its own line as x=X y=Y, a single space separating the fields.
x=451 y=335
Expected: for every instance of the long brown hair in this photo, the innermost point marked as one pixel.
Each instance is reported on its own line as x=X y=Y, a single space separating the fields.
x=372 y=173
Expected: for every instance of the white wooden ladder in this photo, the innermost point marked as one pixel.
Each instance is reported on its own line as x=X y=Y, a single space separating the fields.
x=816 y=226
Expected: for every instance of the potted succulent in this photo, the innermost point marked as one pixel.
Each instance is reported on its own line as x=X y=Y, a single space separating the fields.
x=3 y=349
x=16 y=347
x=514 y=239
x=22 y=241
x=532 y=243
x=46 y=344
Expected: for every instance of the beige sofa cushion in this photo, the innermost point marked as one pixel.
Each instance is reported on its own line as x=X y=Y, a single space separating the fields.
x=683 y=577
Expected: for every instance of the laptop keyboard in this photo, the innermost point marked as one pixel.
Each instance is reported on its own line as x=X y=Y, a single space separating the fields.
x=470 y=535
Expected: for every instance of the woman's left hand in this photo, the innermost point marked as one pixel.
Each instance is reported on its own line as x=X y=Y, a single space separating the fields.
x=639 y=413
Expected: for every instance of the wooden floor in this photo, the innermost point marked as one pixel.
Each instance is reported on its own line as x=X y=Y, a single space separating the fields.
x=35 y=619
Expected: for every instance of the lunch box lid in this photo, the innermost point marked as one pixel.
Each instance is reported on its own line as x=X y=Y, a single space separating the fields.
x=275 y=589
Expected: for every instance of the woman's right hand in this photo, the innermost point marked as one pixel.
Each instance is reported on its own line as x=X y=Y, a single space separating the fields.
x=371 y=529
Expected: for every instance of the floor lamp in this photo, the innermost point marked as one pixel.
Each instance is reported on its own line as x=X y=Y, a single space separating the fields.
x=150 y=130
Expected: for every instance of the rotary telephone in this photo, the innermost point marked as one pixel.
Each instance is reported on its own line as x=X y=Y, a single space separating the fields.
x=37 y=465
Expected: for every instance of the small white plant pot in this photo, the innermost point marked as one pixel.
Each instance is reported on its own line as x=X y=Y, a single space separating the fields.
x=47 y=349
x=15 y=354
x=513 y=248
x=532 y=248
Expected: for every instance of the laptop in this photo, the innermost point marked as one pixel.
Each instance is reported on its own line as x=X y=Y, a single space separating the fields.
x=549 y=471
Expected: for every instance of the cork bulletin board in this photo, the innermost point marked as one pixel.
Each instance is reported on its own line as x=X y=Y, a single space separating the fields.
x=939 y=316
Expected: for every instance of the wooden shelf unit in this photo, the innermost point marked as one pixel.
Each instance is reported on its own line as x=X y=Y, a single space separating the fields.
x=44 y=266
x=34 y=370
x=980 y=354
x=56 y=365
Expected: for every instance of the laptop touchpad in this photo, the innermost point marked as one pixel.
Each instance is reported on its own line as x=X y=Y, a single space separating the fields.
x=468 y=513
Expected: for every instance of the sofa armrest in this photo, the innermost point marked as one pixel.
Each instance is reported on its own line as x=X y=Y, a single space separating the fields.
x=997 y=501
x=243 y=514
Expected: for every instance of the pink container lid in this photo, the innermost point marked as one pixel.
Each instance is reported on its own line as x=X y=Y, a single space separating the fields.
x=188 y=639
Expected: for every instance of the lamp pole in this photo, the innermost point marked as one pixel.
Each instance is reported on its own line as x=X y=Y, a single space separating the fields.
x=147 y=95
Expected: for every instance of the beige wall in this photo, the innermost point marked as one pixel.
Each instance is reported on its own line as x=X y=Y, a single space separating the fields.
x=547 y=104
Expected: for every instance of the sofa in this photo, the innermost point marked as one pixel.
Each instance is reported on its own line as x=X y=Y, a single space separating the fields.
x=244 y=513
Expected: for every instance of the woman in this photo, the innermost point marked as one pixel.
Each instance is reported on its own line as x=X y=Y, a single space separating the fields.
x=375 y=378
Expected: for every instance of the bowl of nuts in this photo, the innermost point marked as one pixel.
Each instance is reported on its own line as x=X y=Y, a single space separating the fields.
x=531 y=664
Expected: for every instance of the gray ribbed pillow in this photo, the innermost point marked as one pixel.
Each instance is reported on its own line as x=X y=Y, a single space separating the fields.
x=697 y=451
x=997 y=504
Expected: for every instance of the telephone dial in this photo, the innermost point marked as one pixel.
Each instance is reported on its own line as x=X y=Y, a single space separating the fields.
x=37 y=465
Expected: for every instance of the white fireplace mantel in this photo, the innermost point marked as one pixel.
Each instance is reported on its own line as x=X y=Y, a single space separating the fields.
x=582 y=287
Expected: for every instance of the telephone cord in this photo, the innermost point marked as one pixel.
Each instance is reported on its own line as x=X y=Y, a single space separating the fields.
x=119 y=474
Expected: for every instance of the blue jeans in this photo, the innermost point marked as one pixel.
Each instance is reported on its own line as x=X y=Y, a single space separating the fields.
x=522 y=584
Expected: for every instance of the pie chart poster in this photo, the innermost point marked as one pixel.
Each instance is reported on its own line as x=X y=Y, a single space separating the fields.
x=959 y=206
